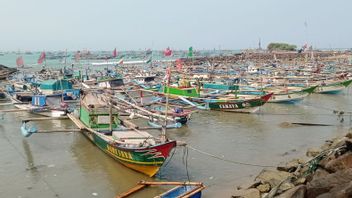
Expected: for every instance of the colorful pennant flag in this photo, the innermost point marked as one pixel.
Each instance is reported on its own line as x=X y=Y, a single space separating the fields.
x=41 y=58
x=77 y=56
x=120 y=62
x=19 y=62
x=114 y=53
x=167 y=52
x=190 y=52
x=167 y=77
x=179 y=64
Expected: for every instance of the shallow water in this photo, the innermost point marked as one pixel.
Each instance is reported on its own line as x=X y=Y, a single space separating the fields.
x=67 y=164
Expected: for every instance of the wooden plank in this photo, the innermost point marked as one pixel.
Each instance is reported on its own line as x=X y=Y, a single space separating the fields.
x=13 y=110
x=131 y=191
x=59 y=130
x=45 y=118
x=193 y=192
x=76 y=121
x=170 y=183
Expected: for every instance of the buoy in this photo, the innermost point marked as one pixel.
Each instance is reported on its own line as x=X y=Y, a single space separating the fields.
x=26 y=131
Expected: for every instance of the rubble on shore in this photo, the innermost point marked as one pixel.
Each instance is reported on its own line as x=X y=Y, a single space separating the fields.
x=328 y=173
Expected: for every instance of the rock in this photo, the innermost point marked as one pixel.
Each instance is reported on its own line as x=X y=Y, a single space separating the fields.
x=339 y=142
x=312 y=152
x=344 y=191
x=341 y=163
x=249 y=193
x=263 y=188
x=327 y=145
x=290 y=166
x=326 y=160
x=299 y=181
x=320 y=173
x=349 y=135
x=264 y=195
x=273 y=177
x=285 y=186
x=296 y=192
x=321 y=185
x=248 y=185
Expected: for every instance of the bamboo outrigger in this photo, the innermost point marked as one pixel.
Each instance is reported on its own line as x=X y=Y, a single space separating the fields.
x=182 y=189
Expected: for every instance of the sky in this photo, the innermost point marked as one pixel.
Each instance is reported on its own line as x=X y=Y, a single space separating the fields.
x=178 y=24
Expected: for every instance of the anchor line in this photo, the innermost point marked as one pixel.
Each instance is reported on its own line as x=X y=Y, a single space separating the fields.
x=228 y=160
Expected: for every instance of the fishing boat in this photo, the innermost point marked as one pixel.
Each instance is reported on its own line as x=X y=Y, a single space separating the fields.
x=332 y=88
x=3 y=96
x=290 y=96
x=238 y=105
x=49 y=106
x=230 y=103
x=133 y=148
x=181 y=189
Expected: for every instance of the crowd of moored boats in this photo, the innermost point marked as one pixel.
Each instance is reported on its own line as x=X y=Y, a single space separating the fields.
x=105 y=103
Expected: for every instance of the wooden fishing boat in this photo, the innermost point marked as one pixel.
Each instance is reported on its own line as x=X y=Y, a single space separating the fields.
x=238 y=105
x=179 y=114
x=291 y=96
x=332 y=88
x=230 y=103
x=181 y=189
x=133 y=148
x=3 y=96
x=45 y=106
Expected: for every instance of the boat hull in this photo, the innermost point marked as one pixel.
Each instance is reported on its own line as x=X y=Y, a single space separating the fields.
x=287 y=98
x=244 y=106
x=329 y=89
x=147 y=160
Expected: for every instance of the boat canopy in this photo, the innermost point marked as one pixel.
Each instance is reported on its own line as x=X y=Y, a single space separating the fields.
x=55 y=85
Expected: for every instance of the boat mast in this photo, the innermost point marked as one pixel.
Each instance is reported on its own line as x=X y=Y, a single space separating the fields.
x=110 y=114
x=167 y=83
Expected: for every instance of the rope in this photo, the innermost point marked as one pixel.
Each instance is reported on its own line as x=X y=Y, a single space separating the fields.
x=172 y=155
x=326 y=108
x=228 y=160
x=185 y=160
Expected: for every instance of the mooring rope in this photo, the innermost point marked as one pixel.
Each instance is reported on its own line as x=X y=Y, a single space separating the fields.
x=228 y=160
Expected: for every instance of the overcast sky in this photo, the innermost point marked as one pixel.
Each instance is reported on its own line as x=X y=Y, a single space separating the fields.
x=157 y=24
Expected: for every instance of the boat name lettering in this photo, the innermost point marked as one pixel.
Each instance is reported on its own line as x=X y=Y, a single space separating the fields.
x=119 y=153
x=228 y=106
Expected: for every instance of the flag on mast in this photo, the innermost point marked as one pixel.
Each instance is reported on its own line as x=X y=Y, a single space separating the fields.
x=190 y=52
x=167 y=77
x=19 y=62
x=167 y=52
x=114 y=53
x=179 y=64
x=41 y=58
x=78 y=56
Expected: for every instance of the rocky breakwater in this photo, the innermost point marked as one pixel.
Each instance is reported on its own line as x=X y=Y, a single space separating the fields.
x=327 y=173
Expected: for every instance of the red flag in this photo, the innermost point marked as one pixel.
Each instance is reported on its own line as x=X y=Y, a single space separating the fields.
x=41 y=58
x=19 y=62
x=167 y=52
x=77 y=56
x=168 y=75
x=120 y=62
x=114 y=53
x=179 y=64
